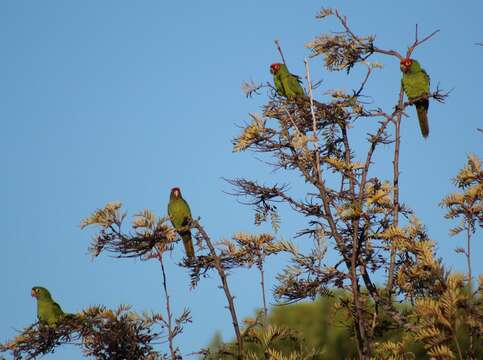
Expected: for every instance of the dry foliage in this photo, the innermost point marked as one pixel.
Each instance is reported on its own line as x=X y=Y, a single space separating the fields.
x=348 y=210
x=98 y=331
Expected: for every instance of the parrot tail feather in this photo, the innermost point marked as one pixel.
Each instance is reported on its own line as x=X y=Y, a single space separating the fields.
x=422 y=110
x=188 y=244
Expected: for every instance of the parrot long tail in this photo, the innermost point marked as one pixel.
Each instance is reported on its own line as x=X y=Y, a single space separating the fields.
x=422 y=110
x=188 y=244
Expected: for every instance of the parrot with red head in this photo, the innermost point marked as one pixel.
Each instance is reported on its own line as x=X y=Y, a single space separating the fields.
x=180 y=214
x=48 y=311
x=415 y=83
x=286 y=84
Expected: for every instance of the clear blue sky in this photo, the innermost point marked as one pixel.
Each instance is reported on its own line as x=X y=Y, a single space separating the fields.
x=121 y=100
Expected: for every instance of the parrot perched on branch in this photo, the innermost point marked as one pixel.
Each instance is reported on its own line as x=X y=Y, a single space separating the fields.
x=287 y=84
x=48 y=311
x=180 y=214
x=415 y=82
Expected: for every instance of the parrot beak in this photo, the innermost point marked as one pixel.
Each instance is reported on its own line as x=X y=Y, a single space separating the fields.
x=33 y=293
x=404 y=68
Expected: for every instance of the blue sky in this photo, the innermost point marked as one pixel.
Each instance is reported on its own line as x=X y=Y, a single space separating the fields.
x=122 y=100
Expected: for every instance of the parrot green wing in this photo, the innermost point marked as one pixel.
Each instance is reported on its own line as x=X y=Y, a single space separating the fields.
x=415 y=84
x=278 y=85
x=287 y=84
x=57 y=311
x=292 y=85
x=49 y=312
x=180 y=214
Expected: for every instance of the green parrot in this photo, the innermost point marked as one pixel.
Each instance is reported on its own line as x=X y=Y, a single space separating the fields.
x=48 y=311
x=180 y=214
x=415 y=82
x=287 y=84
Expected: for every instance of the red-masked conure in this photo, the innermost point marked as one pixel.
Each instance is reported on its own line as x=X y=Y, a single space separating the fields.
x=48 y=311
x=180 y=214
x=415 y=82
x=287 y=84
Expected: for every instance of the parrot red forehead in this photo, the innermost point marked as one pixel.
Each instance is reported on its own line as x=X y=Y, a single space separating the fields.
x=175 y=189
x=406 y=62
x=275 y=66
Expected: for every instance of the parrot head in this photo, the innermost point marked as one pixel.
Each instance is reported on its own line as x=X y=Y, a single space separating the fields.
x=40 y=292
x=409 y=65
x=405 y=64
x=175 y=193
x=274 y=68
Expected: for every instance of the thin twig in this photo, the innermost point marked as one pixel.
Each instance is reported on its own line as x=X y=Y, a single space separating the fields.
x=262 y=284
x=277 y=43
x=224 y=282
x=311 y=97
x=343 y=21
x=359 y=323
x=455 y=339
x=395 y=162
x=369 y=71
x=362 y=341
x=292 y=120
x=168 y=307
x=468 y=253
x=470 y=279
x=418 y=42
x=375 y=49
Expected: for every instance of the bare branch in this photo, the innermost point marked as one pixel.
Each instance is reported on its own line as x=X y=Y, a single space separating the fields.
x=277 y=43
x=221 y=272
